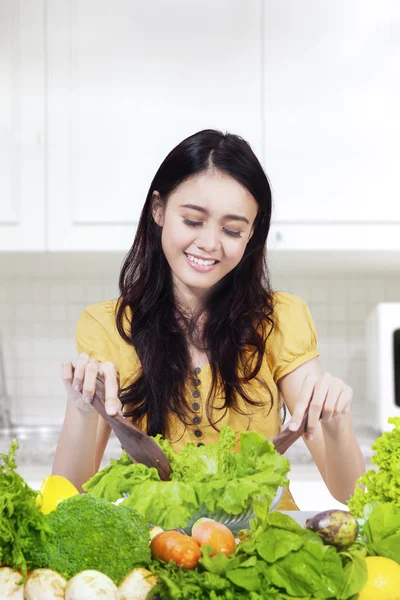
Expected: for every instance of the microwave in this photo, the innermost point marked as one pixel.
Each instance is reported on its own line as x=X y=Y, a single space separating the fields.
x=383 y=364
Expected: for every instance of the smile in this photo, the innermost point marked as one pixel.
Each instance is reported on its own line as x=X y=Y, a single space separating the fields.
x=200 y=264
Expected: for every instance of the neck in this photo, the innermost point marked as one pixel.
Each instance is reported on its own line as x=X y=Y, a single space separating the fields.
x=188 y=299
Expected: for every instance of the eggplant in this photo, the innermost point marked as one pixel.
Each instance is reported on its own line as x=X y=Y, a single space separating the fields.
x=336 y=527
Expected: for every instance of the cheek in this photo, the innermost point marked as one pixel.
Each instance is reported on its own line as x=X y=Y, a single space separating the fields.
x=175 y=238
x=234 y=250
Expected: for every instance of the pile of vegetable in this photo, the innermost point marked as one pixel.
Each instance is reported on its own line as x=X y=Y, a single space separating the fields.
x=278 y=559
x=210 y=478
x=86 y=547
x=82 y=533
x=382 y=485
x=92 y=533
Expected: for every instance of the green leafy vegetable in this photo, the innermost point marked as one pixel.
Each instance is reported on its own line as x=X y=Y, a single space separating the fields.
x=213 y=477
x=20 y=519
x=355 y=572
x=92 y=533
x=381 y=532
x=382 y=485
x=278 y=560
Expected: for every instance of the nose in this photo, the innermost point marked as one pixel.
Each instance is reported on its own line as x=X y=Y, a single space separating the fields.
x=208 y=240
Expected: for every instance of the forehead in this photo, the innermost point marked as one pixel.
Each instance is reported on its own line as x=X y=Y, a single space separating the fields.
x=218 y=193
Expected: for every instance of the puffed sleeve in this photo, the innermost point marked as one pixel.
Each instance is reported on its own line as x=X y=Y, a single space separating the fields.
x=294 y=338
x=96 y=333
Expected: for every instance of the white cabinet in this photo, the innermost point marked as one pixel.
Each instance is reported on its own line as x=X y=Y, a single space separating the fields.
x=95 y=94
x=127 y=81
x=332 y=122
x=22 y=175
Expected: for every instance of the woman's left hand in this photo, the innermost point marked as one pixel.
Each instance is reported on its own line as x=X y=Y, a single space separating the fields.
x=327 y=398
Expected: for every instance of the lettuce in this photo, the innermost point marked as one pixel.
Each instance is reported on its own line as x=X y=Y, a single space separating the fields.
x=381 y=531
x=383 y=485
x=212 y=478
x=21 y=521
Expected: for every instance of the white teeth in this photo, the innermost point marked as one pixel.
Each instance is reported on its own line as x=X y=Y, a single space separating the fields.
x=200 y=261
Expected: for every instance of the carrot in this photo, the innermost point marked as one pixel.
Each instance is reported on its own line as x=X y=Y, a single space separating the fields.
x=178 y=547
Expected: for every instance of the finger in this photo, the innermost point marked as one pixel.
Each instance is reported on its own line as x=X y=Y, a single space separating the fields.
x=305 y=395
x=112 y=402
x=343 y=404
x=67 y=372
x=89 y=383
x=315 y=410
x=329 y=406
x=79 y=373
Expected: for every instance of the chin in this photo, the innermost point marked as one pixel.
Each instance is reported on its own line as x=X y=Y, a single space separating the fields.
x=197 y=282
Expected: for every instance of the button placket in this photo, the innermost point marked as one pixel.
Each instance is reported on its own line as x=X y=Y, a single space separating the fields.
x=196 y=405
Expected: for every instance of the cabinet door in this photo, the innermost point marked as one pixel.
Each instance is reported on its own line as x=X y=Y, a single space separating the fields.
x=22 y=200
x=127 y=81
x=332 y=119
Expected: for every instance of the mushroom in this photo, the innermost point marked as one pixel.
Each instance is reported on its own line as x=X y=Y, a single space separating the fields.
x=91 y=585
x=10 y=586
x=137 y=585
x=44 y=584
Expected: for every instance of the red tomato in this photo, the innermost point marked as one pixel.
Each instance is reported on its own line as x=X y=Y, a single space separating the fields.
x=207 y=532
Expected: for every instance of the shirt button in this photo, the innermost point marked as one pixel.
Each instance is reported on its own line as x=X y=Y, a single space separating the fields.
x=196 y=394
x=196 y=406
x=198 y=433
x=197 y=370
x=196 y=381
x=200 y=444
x=196 y=420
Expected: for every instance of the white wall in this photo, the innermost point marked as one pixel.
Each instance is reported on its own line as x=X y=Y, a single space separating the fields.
x=38 y=313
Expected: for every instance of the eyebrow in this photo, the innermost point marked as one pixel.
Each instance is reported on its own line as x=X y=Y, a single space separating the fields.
x=206 y=212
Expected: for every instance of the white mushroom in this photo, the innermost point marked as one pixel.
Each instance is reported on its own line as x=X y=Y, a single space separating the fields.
x=9 y=588
x=155 y=531
x=137 y=585
x=44 y=584
x=91 y=585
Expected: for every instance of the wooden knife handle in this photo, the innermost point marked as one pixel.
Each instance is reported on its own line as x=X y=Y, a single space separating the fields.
x=286 y=438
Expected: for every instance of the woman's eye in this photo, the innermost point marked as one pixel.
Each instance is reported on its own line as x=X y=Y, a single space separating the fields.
x=192 y=223
x=236 y=234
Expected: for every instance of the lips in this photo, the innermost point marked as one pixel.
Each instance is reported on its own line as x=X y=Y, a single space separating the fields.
x=200 y=264
x=202 y=260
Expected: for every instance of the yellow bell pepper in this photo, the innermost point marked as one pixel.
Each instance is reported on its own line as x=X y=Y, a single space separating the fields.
x=53 y=490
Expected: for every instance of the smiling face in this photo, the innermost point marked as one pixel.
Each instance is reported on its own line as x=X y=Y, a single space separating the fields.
x=206 y=225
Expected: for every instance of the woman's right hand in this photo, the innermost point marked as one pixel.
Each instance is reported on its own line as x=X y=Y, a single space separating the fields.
x=80 y=383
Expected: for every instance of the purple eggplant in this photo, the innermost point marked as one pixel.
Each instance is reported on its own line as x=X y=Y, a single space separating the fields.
x=336 y=527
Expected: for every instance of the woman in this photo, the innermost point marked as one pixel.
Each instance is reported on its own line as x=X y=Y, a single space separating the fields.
x=197 y=338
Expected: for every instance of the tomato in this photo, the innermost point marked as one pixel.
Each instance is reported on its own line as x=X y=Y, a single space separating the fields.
x=178 y=547
x=214 y=534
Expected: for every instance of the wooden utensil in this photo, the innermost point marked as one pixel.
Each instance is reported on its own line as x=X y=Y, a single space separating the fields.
x=286 y=438
x=139 y=446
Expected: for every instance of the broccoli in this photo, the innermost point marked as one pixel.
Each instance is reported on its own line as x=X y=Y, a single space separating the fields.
x=93 y=533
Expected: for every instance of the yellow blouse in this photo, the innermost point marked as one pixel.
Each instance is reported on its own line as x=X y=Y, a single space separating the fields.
x=292 y=342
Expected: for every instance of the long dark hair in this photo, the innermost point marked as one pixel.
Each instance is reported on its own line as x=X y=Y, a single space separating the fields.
x=238 y=311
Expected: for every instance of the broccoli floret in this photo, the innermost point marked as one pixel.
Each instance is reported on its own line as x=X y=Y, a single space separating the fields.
x=93 y=533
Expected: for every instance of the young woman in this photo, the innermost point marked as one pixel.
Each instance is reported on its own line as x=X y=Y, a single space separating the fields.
x=198 y=339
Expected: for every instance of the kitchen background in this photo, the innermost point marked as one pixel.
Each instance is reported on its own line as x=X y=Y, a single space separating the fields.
x=92 y=100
